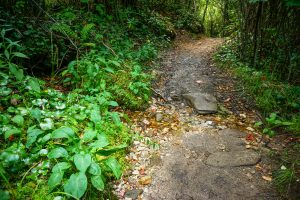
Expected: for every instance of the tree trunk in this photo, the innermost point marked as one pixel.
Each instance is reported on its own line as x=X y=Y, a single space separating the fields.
x=255 y=37
x=205 y=10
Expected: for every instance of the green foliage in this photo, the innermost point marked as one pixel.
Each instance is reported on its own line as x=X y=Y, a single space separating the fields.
x=12 y=75
x=119 y=81
x=286 y=178
x=64 y=139
x=279 y=102
x=272 y=122
x=189 y=21
x=264 y=44
x=64 y=29
x=280 y=105
x=72 y=143
x=183 y=14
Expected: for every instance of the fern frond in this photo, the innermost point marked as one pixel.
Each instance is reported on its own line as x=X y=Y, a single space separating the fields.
x=84 y=33
x=63 y=29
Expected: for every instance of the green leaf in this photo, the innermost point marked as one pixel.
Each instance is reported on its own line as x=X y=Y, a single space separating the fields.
x=18 y=119
x=116 y=118
x=109 y=69
x=5 y=91
x=100 y=143
x=115 y=63
x=84 y=33
x=19 y=54
x=103 y=84
x=63 y=132
x=32 y=134
x=271 y=133
x=111 y=150
x=61 y=167
x=97 y=182
x=58 y=153
x=94 y=169
x=55 y=179
x=10 y=132
x=113 y=164
x=258 y=124
x=34 y=85
x=95 y=116
x=46 y=138
x=89 y=135
x=82 y=161
x=6 y=53
x=76 y=185
x=276 y=122
x=36 y=113
x=4 y=195
x=113 y=103
x=266 y=130
x=273 y=116
x=18 y=73
x=287 y=123
x=47 y=124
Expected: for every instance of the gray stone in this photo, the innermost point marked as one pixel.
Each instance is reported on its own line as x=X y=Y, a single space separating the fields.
x=133 y=194
x=233 y=158
x=203 y=103
x=159 y=117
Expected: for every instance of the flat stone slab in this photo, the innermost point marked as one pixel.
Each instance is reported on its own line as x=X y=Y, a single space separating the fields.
x=203 y=103
x=233 y=158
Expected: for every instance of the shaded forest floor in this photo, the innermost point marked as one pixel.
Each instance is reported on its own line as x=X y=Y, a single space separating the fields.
x=186 y=155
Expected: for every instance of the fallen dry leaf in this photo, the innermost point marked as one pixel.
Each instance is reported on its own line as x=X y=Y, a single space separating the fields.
x=146 y=122
x=258 y=167
x=250 y=129
x=267 y=178
x=227 y=100
x=250 y=137
x=142 y=171
x=146 y=180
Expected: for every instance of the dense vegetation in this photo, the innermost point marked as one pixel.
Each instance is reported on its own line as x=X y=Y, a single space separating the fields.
x=263 y=50
x=68 y=68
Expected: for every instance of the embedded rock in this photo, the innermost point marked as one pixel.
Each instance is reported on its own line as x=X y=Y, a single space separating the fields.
x=203 y=103
x=233 y=158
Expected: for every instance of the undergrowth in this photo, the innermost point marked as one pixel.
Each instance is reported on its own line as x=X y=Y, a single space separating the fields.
x=57 y=144
x=272 y=96
x=279 y=103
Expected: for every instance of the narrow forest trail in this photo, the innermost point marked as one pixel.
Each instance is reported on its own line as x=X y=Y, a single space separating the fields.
x=213 y=156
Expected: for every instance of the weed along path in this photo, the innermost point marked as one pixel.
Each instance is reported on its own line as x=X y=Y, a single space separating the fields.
x=208 y=148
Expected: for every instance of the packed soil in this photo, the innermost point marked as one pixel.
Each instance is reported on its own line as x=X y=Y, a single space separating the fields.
x=186 y=155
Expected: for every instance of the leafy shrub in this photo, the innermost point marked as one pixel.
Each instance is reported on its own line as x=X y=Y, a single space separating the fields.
x=70 y=140
x=96 y=74
x=189 y=21
x=51 y=139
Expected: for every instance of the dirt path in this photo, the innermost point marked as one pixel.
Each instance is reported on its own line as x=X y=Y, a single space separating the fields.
x=212 y=156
